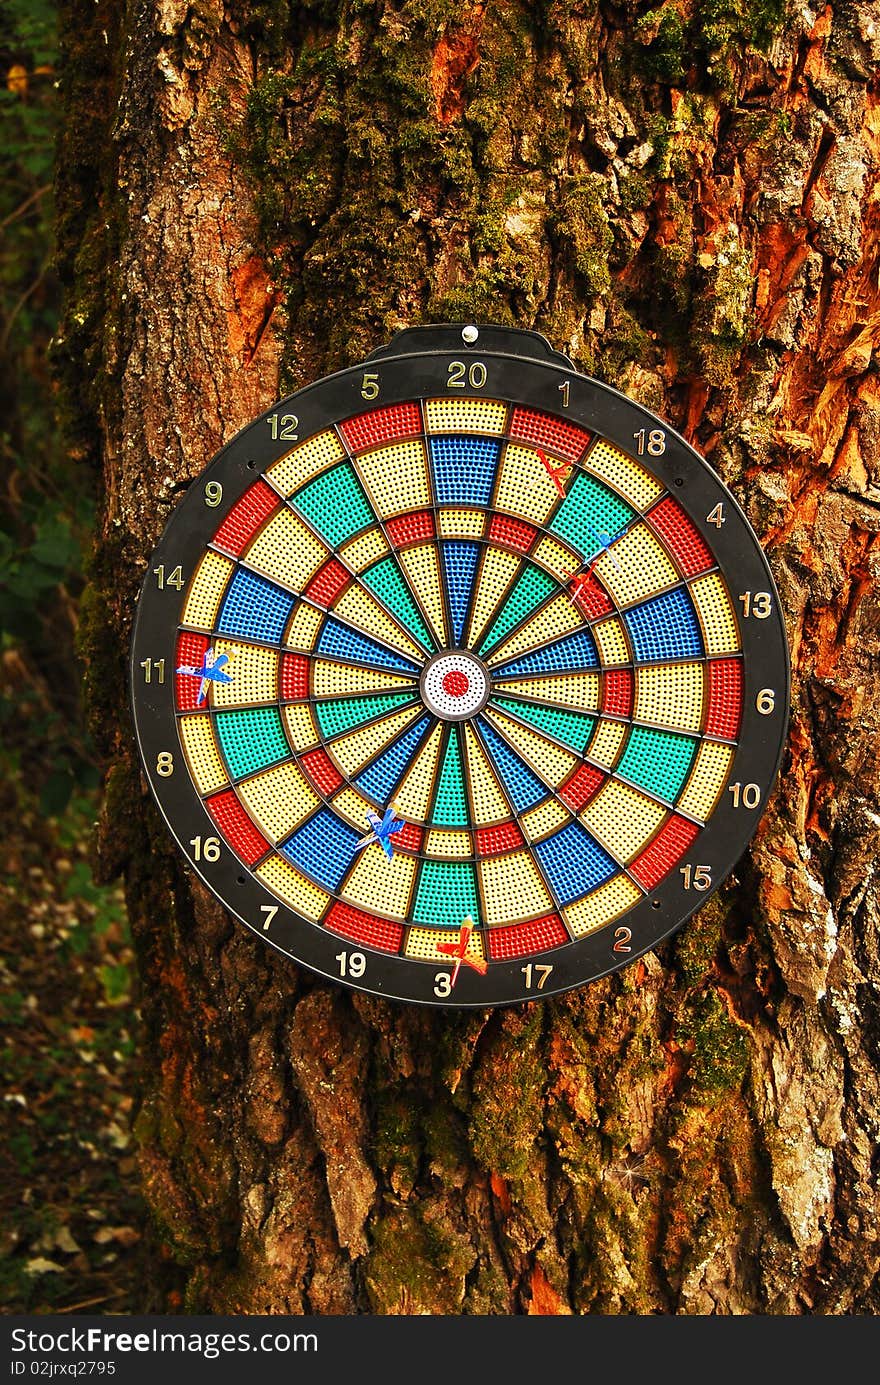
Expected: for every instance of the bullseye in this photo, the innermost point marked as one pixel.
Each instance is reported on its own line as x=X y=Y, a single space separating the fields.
x=455 y=683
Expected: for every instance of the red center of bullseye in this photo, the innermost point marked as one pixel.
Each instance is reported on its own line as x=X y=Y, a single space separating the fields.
x=455 y=683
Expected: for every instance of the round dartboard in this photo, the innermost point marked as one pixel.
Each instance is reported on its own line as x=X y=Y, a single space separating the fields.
x=459 y=677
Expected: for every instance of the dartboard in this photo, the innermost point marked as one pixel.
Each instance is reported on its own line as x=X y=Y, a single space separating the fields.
x=459 y=677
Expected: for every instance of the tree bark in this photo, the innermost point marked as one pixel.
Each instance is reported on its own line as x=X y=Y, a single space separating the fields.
x=685 y=200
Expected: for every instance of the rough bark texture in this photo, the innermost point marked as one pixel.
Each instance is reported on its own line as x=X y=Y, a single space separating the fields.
x=685 y=199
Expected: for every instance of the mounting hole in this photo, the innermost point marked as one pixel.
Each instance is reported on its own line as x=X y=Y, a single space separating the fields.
x=252 y=465
x=679 y=480
x=655 y=904
x=470 y=333
x=242 y=880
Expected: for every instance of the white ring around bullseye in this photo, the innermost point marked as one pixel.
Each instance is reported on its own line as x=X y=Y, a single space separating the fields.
x=454 y=685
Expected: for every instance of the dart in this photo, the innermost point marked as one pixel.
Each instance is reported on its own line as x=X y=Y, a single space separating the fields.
x=554 y=472
x=459 y=950
x=381 y=831
x=211 y=670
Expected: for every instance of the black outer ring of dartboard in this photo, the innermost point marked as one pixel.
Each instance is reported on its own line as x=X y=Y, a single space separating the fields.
x=534 y=383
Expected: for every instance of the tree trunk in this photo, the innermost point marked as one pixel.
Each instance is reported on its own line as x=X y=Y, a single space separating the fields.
x=684 y=200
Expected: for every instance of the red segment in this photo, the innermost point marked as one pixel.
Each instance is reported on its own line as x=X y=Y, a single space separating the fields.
x=455 y=683
x=294 y=677
x=583 y=785
x=668 y=846
x=191 y=651
x=617 y=699
x=513 y=533
x=237 y=827
x=590 y=598
x=681 y=537
x=521 y=939
x=409 y=838
x=543 y=430
x=382 y=425
x=725 y=698
x=492 y=841
x=327 y=583
x=414 y=528
x=321 y=770
x=364 y=928
x=245 y=518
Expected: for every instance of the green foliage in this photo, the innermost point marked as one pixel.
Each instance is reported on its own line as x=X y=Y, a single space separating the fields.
x=705 y=37
x=46 y=503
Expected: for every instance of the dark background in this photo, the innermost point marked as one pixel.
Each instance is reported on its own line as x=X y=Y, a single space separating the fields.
x=70 y=1215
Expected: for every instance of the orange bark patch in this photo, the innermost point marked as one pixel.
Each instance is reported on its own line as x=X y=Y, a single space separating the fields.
x=781 y=252
x=455 y=57
x=500 y=1193
x=255 y=300
x=545 y=1300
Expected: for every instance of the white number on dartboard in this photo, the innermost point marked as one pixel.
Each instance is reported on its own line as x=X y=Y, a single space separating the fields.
x=653 y=442
x=622 y=939
x=351 y=963
x=442 y=984
x=151 y=666
x=698 y=877
x=745 y=795
x=283 y=429
x=205 y=848
x=716 y=516
x=165 y=764
x=173 y=579
x=268 y=911
x=370 y=384
x=765 y=701
x=757 y=604
x=213 y=494
x=475 y=374
x=535 y=975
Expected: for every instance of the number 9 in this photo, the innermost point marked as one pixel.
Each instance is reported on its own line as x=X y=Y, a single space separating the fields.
x=213 y=494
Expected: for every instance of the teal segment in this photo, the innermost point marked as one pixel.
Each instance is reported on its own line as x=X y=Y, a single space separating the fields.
x=658 y=761
x=590 y=515
x=385 y=581
x=450 y=801
x=344 y=713
x=446 y=894
x=574 y=729
x=335 y=504
x=251 y=739
x=532 y=587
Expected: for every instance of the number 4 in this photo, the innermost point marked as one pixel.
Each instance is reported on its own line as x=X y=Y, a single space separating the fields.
x=716 y=516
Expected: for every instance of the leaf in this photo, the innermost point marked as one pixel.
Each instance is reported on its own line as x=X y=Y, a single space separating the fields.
x=40 y=1265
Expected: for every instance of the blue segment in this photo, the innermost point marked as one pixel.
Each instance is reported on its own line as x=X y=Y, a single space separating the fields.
x=460 y=565
x=254 y=608
x=380 y=779
x=522 y=787
x=464 y=469
x=665 y=628
x=345 y=643
x=573 y=862
x=571 y=655
x=323 y=847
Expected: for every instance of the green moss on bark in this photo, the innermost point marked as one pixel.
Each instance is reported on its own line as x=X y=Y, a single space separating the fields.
x=507 y=1106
